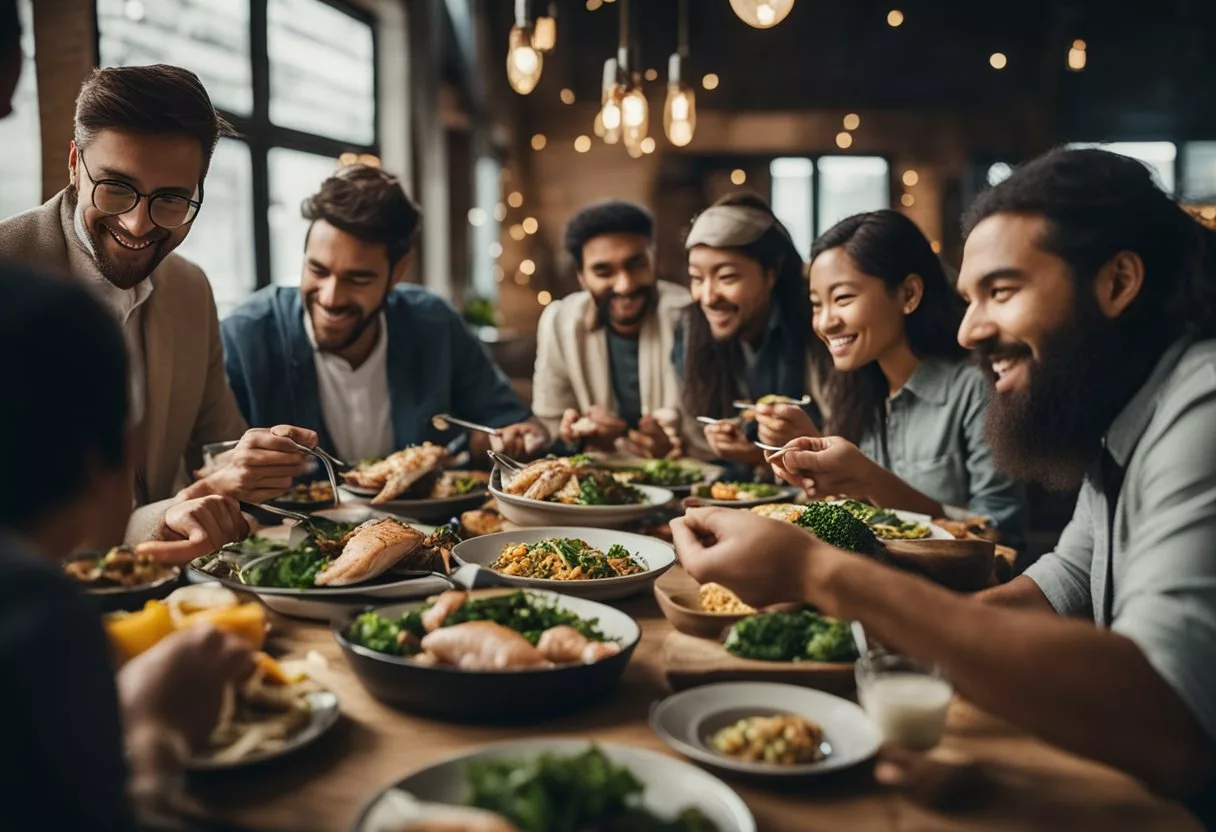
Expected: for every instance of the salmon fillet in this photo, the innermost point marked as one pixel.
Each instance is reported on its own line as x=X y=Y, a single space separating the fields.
x=372 y=548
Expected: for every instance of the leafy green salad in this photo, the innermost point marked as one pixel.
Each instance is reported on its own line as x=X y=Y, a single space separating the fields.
x=792 y=637
x=519 y=611
x=297 y=567
x=586 y=792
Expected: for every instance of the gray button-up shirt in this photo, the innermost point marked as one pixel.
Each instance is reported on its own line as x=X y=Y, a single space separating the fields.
x=934 y=441
x=1164 y=529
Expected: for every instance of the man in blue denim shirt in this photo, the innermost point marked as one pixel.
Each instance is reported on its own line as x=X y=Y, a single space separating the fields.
x=355 y=355
x=1092 y=306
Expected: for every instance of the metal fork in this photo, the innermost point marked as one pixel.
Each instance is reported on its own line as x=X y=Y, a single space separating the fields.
x=443 y=421
x=311 y=522
x=505 y=462
x=327 y=461
x=775 y=452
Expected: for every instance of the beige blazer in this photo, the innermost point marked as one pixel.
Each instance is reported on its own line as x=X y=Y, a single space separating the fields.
x=189 y=402
x=572 y=367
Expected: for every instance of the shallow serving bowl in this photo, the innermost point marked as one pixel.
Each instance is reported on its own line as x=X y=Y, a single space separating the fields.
x=525 y=512
x=653 y=553
x=688 y=720
x=672 y=785
x=500 y=696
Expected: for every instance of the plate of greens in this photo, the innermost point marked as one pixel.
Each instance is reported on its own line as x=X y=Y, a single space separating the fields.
x=743 y=494
x=501 y=655
x=282 y=574
x=602 y=564
x=561 y=785
x=679 y=476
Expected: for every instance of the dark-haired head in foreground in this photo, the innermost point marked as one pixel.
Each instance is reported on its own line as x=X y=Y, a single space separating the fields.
x=64 y=416
x=612 y=246
x=1080 y=272
x=361 y=234
x=142 y=144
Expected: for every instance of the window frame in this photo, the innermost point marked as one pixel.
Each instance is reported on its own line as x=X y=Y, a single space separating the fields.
x=260 y=134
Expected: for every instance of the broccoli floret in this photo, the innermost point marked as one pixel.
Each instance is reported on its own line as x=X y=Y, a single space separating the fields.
x=835 y=525
x=832 y=643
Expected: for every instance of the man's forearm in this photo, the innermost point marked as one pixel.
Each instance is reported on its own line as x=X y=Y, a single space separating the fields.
x=1021 y=593
x=1085 y=689
x=886 y=489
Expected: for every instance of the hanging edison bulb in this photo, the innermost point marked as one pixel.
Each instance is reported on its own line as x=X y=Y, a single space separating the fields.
x=544 y=33
x=524 y=62
x=680 y=109
x=762 y=14
x=635 y=118
x=610 y=109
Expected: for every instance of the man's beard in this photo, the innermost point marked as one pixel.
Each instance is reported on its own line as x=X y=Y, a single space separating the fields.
x=360 y=327
x=1050 y=432
x=122 y=276
x=603 y=306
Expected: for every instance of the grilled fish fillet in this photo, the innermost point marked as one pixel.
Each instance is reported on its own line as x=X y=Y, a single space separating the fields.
x=482 y=645
x=524 y=479
x=374 y=547
x=549 y=483
x=407 y=467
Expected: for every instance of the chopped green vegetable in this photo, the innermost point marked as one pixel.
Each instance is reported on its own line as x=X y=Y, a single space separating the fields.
x=599 y=488
x=791 y=637
x=835 y=525
x=571 y=794
x=296 y=568
x=256 y=545
x=518 y=611
x=664 y=472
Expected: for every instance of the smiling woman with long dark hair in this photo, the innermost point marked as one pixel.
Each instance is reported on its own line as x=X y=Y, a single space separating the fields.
x=746 y=335
x=905 y=407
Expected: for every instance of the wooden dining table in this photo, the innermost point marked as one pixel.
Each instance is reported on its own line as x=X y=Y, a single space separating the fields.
x=985 y=774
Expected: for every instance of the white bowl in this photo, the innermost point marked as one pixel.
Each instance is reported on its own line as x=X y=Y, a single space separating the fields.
x=656 y=555
x=686 y=721
x=671 y=785
x=525 y=512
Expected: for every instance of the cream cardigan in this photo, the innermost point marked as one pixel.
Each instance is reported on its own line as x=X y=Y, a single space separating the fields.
x=572 y=366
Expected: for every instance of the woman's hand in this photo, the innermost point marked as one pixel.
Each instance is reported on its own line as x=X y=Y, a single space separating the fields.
x=729 y=443
x=782 y=423
x=825 y=466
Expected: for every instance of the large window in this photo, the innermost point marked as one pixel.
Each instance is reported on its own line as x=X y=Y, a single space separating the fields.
x=1199 y=172
x=809 y=196
x=297 y=78
x=20 y=135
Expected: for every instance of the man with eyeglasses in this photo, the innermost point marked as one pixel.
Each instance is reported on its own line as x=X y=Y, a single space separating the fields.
x=142 y=143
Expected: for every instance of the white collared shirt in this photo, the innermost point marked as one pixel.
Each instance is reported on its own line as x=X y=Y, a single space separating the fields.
x=355 y=402
x=124 y=305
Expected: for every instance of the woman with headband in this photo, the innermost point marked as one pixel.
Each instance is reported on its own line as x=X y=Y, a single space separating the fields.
x=906 y=407
x=747 y=333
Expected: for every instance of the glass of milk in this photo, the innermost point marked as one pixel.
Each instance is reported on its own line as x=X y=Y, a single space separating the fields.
x=906 y=699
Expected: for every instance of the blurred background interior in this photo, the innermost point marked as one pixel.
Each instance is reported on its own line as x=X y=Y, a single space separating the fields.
x=839 y=107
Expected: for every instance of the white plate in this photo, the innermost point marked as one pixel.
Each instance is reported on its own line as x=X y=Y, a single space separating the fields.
x=671 y=785
x=655 y=554
x=685 y=721
x=785 y=495
x=525 y=512
x=325 y=712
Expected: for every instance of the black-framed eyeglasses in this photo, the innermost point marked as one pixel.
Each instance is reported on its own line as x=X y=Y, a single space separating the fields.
x=112 y=197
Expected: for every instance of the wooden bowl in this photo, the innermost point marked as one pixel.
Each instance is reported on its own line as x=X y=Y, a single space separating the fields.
x=964 y=565
x=683 y=609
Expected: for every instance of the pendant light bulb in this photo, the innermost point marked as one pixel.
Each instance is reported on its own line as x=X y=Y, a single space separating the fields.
x=610 y=109
x=524 y=62
x=680 y=109
x=544 y=33
x=762 y=14
x=635 y=119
